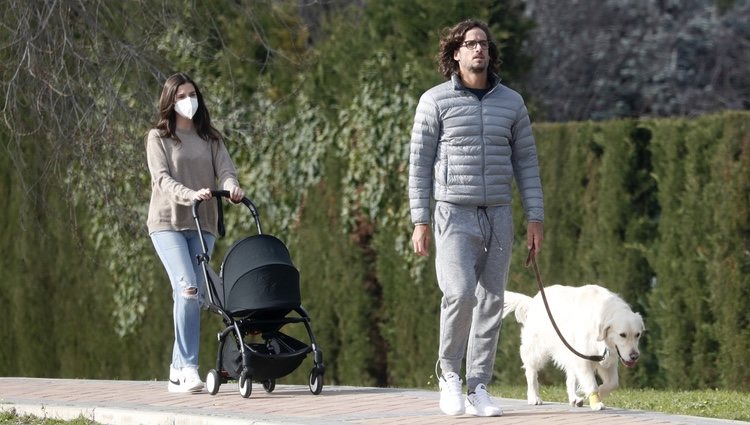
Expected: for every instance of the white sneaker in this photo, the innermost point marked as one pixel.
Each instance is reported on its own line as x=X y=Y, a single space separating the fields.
x=451 y=398
x=185 y=380
x=479 y=403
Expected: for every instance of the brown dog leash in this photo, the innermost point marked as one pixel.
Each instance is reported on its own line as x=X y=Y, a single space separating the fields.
x=531 y=260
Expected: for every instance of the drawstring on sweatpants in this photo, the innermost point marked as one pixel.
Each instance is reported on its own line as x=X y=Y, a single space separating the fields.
x=483 y=208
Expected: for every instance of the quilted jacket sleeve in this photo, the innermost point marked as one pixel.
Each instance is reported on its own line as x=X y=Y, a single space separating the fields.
x=526 y=167
x=423 y=147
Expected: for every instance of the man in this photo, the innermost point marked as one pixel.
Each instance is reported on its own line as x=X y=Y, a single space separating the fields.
x=471 y=138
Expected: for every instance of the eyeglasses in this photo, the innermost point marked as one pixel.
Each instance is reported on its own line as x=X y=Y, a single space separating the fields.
x=472 y=44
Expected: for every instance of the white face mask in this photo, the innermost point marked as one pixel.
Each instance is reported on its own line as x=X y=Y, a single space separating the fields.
x=187 y=107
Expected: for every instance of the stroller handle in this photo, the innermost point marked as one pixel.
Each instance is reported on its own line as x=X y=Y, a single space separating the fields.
x=225 y=194
x=203 y=256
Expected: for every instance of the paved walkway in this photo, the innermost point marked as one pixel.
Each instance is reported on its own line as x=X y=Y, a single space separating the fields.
x=148 y=402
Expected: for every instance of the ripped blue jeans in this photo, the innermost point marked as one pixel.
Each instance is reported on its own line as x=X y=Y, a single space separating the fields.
x=178 y=251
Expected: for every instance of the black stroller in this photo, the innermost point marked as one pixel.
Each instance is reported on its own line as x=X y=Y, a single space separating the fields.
x=255 y=291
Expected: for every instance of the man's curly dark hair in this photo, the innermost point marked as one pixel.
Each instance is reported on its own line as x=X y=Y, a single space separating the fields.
x=451 y=39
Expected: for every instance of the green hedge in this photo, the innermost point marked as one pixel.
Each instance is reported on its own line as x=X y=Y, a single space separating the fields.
x=700 y=300
x=656 y=210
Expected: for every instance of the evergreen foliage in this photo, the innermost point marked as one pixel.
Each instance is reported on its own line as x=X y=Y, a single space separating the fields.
x=699 y=301
x=408 y=32
x=333 y=272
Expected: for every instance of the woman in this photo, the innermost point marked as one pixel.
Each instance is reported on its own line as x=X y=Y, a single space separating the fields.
x=186 y=159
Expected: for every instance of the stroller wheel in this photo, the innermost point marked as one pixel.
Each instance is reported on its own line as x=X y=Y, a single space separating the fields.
x=212 y=382
x=269 y=385
x=245 y=384
x=316 y=381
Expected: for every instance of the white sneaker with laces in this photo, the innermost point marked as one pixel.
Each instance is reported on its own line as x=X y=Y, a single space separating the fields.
x=185 y=380
x=451 y=398
x=479 y=403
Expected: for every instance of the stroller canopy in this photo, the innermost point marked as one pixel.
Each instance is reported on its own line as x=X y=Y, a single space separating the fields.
x=258 y=274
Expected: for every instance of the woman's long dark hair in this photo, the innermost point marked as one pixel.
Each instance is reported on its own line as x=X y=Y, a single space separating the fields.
x=166 y=123
x=451 y=39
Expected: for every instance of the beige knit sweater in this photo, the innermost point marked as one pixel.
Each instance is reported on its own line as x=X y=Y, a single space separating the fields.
x=178 y=170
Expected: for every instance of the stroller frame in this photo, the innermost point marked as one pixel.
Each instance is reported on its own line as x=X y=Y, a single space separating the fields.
x=243 y=361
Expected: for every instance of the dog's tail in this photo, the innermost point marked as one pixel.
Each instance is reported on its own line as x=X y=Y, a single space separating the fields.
x=518 y=303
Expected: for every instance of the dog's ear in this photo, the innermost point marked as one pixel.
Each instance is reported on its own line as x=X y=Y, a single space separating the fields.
x=604 y=328
x=639 y=319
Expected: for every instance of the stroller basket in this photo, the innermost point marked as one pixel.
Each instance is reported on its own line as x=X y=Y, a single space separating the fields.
x=278 y=357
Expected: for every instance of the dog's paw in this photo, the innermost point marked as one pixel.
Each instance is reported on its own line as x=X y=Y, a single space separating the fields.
x=595 y=402
x=597 y=406
x=535 y=401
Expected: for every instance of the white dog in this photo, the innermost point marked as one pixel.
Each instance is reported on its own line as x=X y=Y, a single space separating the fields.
x=594 y=321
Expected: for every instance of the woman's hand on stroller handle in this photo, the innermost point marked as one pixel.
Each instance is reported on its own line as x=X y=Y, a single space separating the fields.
x=236 y=196
x=202 y=194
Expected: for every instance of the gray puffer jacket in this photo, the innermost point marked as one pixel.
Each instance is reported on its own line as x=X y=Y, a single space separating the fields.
x=466 y=151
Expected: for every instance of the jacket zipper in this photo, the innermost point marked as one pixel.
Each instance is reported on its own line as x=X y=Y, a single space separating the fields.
x=484 y=145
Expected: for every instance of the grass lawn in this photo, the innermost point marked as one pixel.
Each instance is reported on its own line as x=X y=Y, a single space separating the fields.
x=9 y=418
x=706 y=403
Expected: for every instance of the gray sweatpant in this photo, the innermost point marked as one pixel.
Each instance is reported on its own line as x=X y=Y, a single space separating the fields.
x=473 y=246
